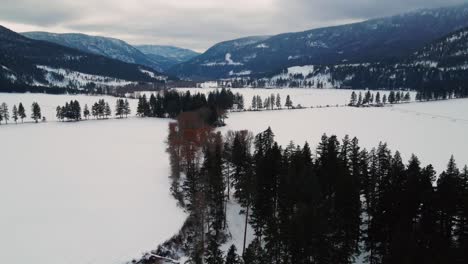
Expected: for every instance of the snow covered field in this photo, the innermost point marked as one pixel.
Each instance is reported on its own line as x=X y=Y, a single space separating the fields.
x=302 y=96
x=98 y=192
x=433 y=131
x=88 y=192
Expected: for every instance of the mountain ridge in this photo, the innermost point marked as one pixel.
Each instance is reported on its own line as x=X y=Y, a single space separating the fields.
x=368 y=41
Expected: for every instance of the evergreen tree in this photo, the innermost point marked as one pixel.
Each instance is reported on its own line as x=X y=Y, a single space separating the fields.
x=259 y=102
x=353 y=100
x=127 y=111
x=278 y=101
x=59 y=113
x=21 y=112
x=377 y=98
x=384 y=99
x=288 y=103
x=232 y=257
x=213 y=254
x=15 y=114
x=86 y=112
x=5 y=113
x=36 y=112
x=107 y=110
x=359 y=102
x=254 y=103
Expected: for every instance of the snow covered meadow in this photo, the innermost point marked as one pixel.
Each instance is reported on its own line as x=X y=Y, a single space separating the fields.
x=98 y=192
x=88 y=192
x=431 y=130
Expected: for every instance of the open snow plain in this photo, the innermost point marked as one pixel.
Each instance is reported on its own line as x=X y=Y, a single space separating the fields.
x=98 y=192
x=431 y=130
x=88 y=192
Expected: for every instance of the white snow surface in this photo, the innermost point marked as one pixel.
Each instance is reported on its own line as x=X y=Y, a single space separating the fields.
x=94 y=192
x=108 y=201
x=236 y=224
x=433 y=131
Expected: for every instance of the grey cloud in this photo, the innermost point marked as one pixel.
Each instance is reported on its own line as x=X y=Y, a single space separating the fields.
x=201 y=23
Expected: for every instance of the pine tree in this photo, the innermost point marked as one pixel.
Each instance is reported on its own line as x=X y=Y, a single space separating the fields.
x=377 y=98
x=278 y=101
x=127 y=110
x=391 y=97
x=86 y=112
x=36 y=112
x=5 y=112
x=59 y=113
x=288 y=103
x=259 y=102
x=232 y=257
x=353 y=99
x=360 y=102
x=384 y=99
x=15 y=114
x=21 y=112
x=213 y=254
x=254 y=103
x=107 y=110
x=119 y=108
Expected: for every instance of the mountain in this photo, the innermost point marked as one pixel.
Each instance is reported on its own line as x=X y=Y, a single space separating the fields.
x=108 y=47
x=167 y=56
x=389 y=38
x=439 y=68
x=26 y=62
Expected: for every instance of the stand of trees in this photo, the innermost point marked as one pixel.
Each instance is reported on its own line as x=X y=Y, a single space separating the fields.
x=171 y=104
x=330 y=207
x=375 y=99
x=101 y=109
x=70 y=111
x=122 y=108
x=433 y=92
x=270 y=103
x=19 y=113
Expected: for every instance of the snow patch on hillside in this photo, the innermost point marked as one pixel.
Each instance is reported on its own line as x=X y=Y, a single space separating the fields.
x=227 y=61
x=154 y=75
x=262 y=46
x=66 y=78
x=241 y=73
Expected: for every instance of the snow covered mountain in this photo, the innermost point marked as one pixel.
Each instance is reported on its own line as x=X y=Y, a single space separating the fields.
x=366 y=42
x=438 y=66
x=108 y=47
x=25 y=62
x=167 y=56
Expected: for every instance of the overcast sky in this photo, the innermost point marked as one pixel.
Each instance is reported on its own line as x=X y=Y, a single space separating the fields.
x=194 y=24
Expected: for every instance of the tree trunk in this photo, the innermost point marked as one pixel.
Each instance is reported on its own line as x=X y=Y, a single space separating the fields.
x=245 y=229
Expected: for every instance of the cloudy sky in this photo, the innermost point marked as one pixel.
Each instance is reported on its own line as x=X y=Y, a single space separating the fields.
x=195 y=24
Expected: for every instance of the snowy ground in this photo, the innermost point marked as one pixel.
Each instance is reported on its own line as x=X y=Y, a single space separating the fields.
x=433 y=130
x=88 y=192
x=97 y=191
x=302 y=96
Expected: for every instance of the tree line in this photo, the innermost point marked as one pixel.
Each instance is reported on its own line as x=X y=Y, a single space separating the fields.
x=19 y=113
x=271 y=102
x=329 y=207
x=375 y=99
